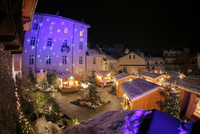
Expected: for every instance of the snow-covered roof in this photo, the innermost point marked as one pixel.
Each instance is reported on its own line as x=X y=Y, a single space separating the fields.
x=67 y=74
x=61 y=17
x=190 y=84
x=121 y=76
x=138 y=88
x=174 y=74
x=102 y=72
x=132 y=53
x=131 y=122
x=150 y=75
x=109 y=58
x=93 y=52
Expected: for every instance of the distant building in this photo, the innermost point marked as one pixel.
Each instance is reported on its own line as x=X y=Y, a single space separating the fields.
x=97 y=60
x=177 y=59
x=55 y=42
x=155 y=64
x=195 y=62
x=94 y=60
x=131 y=63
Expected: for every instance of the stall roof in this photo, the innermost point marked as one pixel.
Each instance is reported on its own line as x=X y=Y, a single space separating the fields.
x=121 y=76
x=102 y=72
x=67 y=74
x=138 y=88
x=93 y=52
x=191 y=84
x=150 y=75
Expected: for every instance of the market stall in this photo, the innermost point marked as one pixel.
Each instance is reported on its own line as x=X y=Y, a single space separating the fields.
x=69 y=82
x=104 y=78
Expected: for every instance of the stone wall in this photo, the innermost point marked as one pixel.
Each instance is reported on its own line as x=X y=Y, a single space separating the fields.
x=7 y=94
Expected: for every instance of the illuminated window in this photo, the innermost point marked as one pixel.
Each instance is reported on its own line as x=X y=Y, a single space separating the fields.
x=64 y=59
x=81 y=45
x=32 y=41
x=66 y=30
x=48 y=59
x=94 y=60
x=197 y=110
x=80 y=60
x=51 y=27
x=35 y=26
x=81 y=33
x=49 y=41
x=65 y=43
x=31 y=59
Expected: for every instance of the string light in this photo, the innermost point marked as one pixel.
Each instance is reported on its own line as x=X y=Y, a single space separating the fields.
x=27 y=128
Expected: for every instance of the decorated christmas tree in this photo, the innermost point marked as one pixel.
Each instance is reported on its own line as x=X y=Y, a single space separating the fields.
x=171 y=104
x=93 y=94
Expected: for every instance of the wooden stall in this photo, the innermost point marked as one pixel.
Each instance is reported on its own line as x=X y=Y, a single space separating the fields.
x=119 y=79
x=104 y=78
x=141 y=94
x=69 y=82
x=189 y=88
x=153 y=77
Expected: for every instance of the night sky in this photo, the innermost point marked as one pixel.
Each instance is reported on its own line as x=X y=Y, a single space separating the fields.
x=137 y=24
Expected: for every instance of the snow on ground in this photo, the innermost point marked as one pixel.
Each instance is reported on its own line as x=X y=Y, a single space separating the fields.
x=111 y=122
x=45 y=127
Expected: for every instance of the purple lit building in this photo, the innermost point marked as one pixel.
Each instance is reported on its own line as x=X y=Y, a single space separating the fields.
x=55 y=42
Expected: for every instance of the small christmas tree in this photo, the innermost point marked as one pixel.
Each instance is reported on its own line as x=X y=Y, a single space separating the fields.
x=51 y=77
x=171 y=104
x=93 y=94
x=32 y=77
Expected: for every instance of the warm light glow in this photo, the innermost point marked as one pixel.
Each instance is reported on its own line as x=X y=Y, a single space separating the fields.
x=66 y=30
x=130 y=79
x=84 y=85
x=81 y=33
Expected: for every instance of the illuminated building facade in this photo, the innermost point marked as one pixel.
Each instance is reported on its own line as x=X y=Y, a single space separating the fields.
x=55 y=42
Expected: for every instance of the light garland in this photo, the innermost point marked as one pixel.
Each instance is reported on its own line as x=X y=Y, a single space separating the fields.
x=26 y=126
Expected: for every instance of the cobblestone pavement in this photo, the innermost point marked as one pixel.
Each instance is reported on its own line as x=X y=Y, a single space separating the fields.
x=81 y=113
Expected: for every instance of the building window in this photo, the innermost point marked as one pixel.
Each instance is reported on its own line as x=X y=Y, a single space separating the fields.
x=80 y=60
x=197 y=109
x=66 y=30
x=161 y=62
x=156 y=62
x=32 y=41
x=65 y=43
x=51 y=27
x=81 y=45
x=48 y=59
x=64 y=59
x=94 y=60
x=81 y=33
x=31 y=59
x=133 y=56
x=49 y=41
x=129 y=56
x=35 y=26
